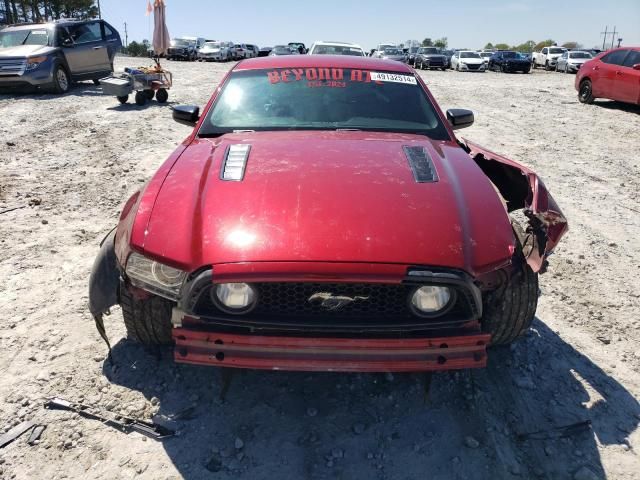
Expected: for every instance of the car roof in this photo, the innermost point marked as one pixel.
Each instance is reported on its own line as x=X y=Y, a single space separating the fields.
x=323 y=61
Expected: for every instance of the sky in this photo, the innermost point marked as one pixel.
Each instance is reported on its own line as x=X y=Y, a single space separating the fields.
x=466 y=23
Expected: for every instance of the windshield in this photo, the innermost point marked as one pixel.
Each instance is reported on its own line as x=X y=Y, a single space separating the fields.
x=509 y=55
x=177 y=42
x=15 y=38
x=392 y=51
x=486 y=54
x=413 y=49
x=212 y=45
x=556 y=50
x=579 y=55
x=469 y=55
x=429 y=50
x=322 y=99
x=282 y=50
x=337 y=50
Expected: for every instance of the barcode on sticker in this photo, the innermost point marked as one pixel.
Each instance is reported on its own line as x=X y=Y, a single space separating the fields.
x=393 y=77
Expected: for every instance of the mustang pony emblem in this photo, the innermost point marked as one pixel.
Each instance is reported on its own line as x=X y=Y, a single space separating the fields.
x=333 y=302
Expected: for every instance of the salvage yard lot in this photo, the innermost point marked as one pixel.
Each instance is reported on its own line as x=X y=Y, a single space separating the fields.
x=68 y=164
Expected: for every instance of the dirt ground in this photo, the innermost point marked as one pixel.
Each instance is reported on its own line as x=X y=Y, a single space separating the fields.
x=68 y=164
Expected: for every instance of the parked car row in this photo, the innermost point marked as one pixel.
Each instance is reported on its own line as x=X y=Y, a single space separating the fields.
x=197 y=48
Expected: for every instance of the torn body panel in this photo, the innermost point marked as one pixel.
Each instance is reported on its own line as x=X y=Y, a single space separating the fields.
x=104 y=283
x=521 y=188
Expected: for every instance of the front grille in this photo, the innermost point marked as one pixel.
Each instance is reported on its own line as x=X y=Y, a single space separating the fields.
x=436 y=61
x=12 y=66
x=472 y=66
x=378 y=307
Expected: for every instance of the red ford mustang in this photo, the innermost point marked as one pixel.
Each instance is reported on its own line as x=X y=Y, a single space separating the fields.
x=614 y=74
x=323 y=216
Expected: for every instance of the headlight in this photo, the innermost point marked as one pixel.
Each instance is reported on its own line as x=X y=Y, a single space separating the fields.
x=431 y=300
x=34 y=62
x=155 y=277
x=235 y=298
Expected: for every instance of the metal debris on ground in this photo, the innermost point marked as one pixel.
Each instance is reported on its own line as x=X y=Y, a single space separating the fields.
x=557 y=432
x=15 y=432
x=119 y=422
x=36 y=433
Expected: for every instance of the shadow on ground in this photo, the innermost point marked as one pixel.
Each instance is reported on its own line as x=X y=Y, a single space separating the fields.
x=363 y=426
x=614 y=105
x=81 y=89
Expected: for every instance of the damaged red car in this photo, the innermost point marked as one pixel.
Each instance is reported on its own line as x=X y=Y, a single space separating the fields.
x=322 y=215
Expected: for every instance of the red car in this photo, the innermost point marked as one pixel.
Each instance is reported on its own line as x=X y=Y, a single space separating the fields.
x=322 y=215
x=614 y=74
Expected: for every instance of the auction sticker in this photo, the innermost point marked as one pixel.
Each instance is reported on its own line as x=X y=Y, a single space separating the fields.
x=393 y=77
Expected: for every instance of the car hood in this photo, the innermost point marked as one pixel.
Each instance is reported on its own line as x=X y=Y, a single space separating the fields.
x=433 y=55
x=472 y=61
x=22 y=51
x=328 y=197
x=393 y=57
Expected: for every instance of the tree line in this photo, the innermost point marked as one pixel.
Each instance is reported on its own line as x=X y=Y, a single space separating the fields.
x=530 y=46
x=526 y=47
x=37 y=11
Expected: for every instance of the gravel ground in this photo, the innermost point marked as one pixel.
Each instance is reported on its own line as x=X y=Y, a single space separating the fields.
x=69 y=163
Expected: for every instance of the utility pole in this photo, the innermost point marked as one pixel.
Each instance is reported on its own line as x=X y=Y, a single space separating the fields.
x=126 y=35
x=613 y=36
x=605 y=36
x=99 y=11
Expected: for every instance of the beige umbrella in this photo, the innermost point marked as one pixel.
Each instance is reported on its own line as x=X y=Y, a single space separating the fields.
x=161 y=39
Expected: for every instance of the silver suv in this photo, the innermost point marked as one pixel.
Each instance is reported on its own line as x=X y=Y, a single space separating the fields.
x=53 y=55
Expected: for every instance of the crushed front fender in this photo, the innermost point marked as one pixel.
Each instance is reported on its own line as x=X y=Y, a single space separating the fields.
x=521 y=188
x=104 y=283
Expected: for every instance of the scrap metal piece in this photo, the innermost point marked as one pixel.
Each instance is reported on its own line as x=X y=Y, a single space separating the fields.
x=119 y=422
x=557 y=432
x=36 y=433
x=15 y=432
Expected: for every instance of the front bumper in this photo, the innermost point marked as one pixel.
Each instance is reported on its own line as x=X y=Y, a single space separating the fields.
x=472 y=68
x=330 y=354
x=39 y=77
x=210 y=56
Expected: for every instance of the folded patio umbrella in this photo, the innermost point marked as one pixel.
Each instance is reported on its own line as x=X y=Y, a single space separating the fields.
x=161 y=39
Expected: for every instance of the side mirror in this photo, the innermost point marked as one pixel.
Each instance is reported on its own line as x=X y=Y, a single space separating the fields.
x=67 y=42
x=460 y=118
x=636 y=66
x=186 y=114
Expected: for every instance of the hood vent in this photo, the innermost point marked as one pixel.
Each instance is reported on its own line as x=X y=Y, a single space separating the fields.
x=235 y=162
x=421 y=164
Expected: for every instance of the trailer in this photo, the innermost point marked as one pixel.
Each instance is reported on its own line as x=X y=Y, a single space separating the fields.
x=145 y=83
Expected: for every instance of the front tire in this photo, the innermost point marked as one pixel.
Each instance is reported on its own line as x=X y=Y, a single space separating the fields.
x=147 y=321
x=162 y=95
x=141 y=98
x=585 y=94
x=61 y=80
x=510 y=309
